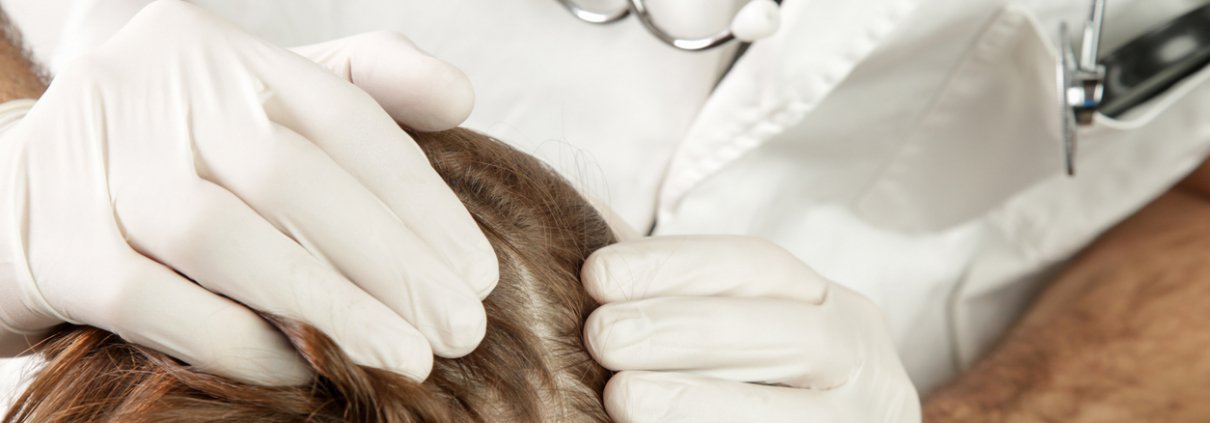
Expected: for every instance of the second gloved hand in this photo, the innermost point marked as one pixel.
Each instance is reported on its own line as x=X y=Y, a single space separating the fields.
x=186 y=173
x=736 y=329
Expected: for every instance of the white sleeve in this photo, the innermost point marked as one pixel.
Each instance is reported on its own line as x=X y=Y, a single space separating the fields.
x=13 y=111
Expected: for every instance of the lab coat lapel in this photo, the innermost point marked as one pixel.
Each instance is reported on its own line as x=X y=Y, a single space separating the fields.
x=777 y=83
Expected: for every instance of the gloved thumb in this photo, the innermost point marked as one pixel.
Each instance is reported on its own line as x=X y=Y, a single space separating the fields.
x=418 y=90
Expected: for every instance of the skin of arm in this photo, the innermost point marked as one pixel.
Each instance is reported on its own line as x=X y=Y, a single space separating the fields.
x=1119 y=336
x=19 y=76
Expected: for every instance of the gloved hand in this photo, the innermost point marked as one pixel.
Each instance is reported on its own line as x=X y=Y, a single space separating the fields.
x=735 y=329
x=185 y=173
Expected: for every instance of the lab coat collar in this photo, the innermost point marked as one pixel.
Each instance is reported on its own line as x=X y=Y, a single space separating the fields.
x=777 y=83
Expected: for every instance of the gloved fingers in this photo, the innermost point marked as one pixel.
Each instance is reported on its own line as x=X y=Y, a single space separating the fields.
x=641 y=397
x=740 y=339
x=356 y=134
x=699 y=266
x=213 y=238
x=296 y=187
x=150 y=305
x=418 y=90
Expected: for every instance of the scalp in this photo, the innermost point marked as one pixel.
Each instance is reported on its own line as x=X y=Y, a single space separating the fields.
x=531 y=367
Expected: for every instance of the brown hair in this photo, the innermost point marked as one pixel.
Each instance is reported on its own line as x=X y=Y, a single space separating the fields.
x=531 y=367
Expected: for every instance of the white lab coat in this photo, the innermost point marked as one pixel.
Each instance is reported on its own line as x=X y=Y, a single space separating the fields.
x=906 y=148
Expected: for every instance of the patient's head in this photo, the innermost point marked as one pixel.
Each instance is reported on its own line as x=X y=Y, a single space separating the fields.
x=531 y=367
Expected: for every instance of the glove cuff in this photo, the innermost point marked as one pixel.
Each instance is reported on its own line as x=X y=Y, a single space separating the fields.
x=11 y=112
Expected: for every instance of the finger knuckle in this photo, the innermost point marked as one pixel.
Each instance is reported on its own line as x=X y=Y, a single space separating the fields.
x=189 y=232
x=773 y=257
x=162 y=222
x=267 y=185
x=763 y=248
x=266 y=171
x=188 y=228
x=118 y=301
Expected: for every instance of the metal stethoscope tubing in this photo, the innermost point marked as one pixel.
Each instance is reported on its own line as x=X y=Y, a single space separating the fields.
x=639 y=9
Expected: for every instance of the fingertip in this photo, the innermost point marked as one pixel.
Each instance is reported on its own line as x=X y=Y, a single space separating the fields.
x=296 y=374
x=593 y=328
x=484 y=273
x=595 y=274
x=631 y=397
x=436 y=97
x=615 y=336
x=619 y=272
x=486 y=282
x=386 y=342
x=418 y=365
x=412 y=358
x=418 y=90
x=274 y=362
x=462 y=328
x=455 y=98
x=281 y=370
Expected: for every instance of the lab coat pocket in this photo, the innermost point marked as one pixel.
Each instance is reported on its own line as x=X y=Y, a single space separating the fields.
x=992 y=131
x=1122 y=165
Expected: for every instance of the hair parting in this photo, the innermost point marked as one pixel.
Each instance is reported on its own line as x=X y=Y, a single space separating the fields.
x=531 y=366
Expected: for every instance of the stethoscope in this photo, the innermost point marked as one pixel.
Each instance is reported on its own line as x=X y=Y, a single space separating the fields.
x=757 y=19
x=1112 y=84
x=1081 y=81
x=1088 y=84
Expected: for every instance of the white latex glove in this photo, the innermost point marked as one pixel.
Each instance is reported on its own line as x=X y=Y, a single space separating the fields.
x=184 y=150
x=736 y=329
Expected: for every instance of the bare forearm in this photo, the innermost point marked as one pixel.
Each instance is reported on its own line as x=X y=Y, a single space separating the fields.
x=19 y=76
x=1120 y=336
